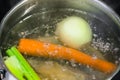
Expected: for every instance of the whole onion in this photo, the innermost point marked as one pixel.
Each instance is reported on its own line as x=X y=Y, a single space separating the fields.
x=74 y=31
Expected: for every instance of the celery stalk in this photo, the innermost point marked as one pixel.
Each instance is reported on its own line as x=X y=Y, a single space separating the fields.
x=28 y=72
x=13 y=65
x=25 y=64
x=9 y=53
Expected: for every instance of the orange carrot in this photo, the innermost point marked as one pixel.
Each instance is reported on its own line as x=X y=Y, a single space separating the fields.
x=38 y=48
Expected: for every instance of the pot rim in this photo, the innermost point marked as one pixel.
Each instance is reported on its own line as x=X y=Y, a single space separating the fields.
x=97 y=2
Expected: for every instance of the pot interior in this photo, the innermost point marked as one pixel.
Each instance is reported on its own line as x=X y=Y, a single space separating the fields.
x=38 y=20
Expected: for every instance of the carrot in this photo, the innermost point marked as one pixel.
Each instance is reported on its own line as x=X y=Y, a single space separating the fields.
x=38 y=48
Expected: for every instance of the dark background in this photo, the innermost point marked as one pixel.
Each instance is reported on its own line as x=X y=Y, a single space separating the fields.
x=6 y=5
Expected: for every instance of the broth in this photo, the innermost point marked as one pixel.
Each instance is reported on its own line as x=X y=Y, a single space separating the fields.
x=41 y=26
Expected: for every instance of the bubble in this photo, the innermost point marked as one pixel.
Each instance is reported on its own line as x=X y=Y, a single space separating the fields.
x=67 y=62
x=95 y=35
x=64 y=69
x=116 y=49
x=94 y=57
x=93 y=77
x=46 y=45
x=55 y=51
x=56 y=37
x=116 y=62
x=73 y=64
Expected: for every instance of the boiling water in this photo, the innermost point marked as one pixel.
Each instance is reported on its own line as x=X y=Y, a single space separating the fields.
x=41 y=26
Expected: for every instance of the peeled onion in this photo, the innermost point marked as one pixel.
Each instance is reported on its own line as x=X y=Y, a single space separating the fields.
x=74 y=31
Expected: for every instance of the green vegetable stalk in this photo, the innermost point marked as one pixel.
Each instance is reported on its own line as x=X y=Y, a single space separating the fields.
x=19 y=67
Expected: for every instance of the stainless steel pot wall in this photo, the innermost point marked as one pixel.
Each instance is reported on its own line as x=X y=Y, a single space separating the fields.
x=94 y=7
